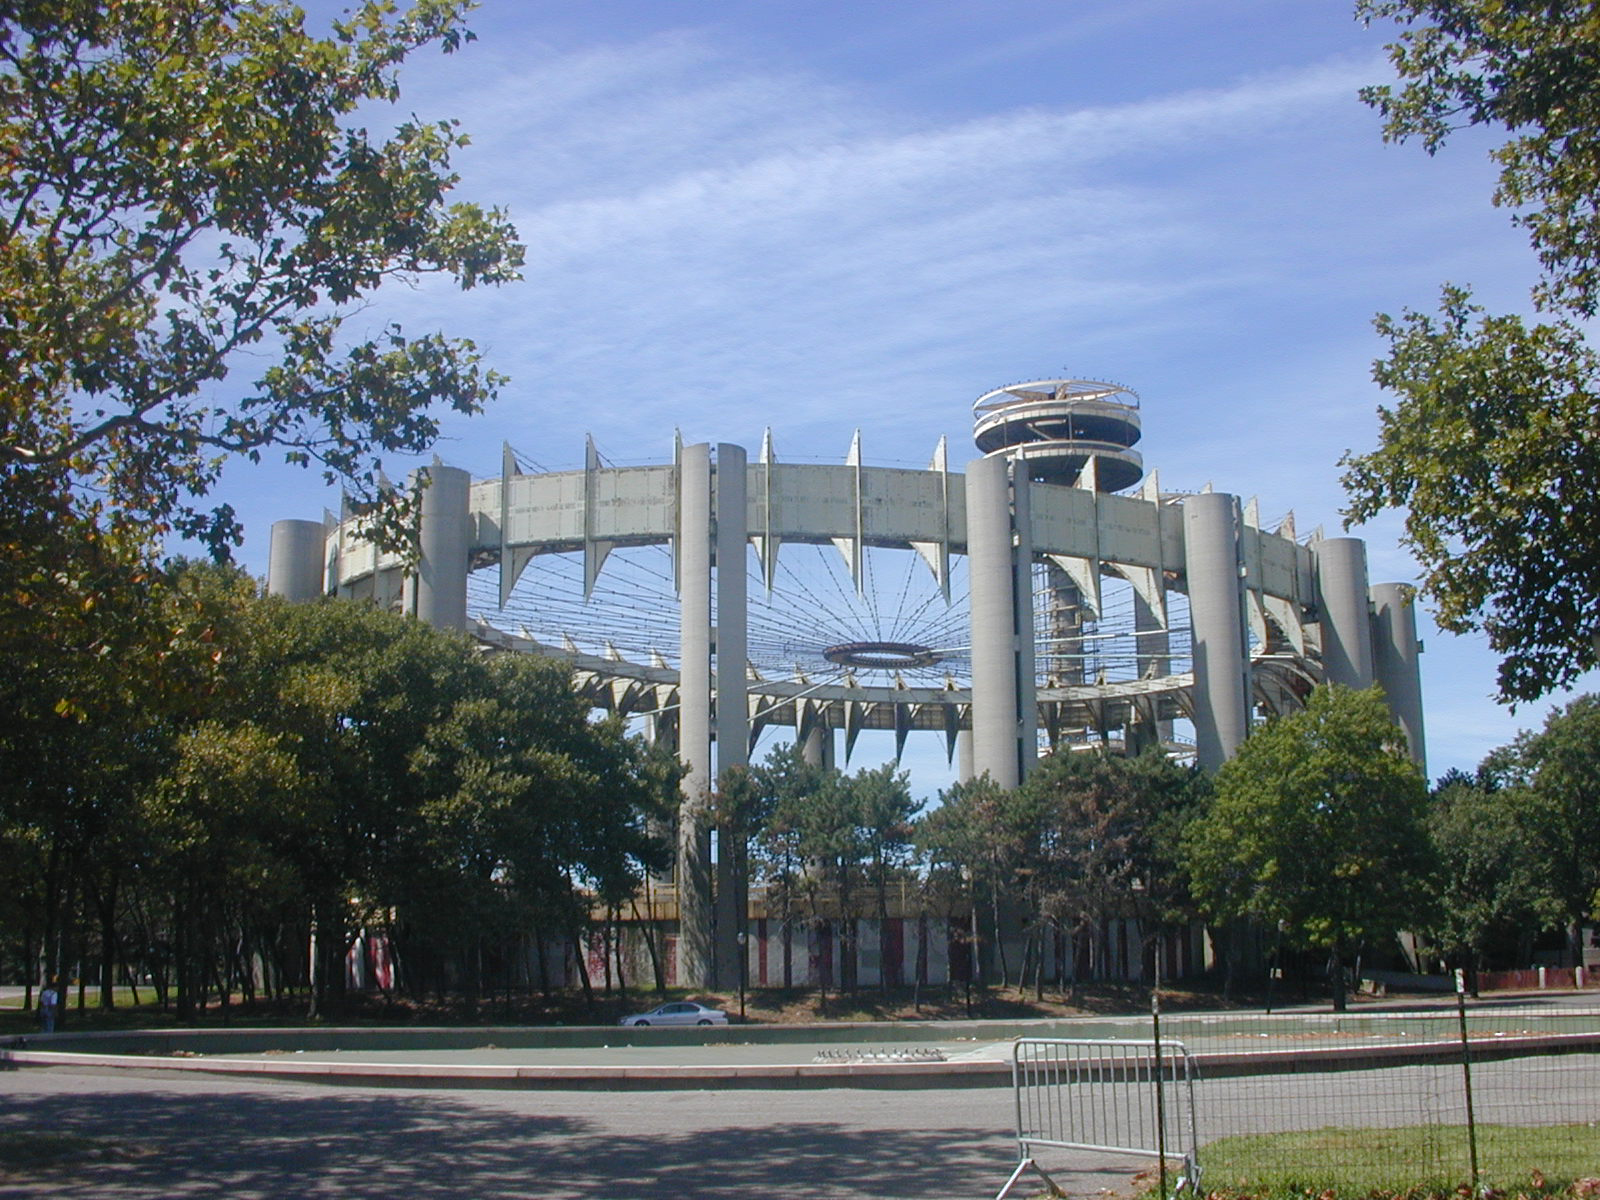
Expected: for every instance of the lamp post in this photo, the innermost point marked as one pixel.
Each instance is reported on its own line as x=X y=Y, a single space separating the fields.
x=743 y=939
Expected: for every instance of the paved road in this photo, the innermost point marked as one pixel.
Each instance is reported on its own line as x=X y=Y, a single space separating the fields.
x=213 y=1137
x=176 y=1137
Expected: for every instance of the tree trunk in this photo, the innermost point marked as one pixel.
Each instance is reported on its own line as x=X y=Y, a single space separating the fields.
x=578 y=953
x=648 y=930
x=1336 y=978
x=106 y=909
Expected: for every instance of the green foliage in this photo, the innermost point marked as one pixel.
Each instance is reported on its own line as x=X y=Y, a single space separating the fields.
x=1317 y=827
x=327 y=764
x=1493 y=882
x=1087 y=837
x=825 y=842
x=1492 y=443
x=1559 y=767
x=1492 y=451
x=1105 y=838
x=1528 y=67
x=185 y=184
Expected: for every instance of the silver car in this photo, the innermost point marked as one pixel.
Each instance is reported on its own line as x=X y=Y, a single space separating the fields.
x=678 y=1012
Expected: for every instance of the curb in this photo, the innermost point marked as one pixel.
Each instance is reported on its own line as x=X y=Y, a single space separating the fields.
x=947 y=1074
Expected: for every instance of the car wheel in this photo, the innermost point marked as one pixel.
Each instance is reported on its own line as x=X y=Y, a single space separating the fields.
x=702 y=1021
x=640 y=1024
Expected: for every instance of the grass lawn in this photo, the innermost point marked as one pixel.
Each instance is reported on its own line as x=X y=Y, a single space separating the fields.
x=122 y=996
x=1354 y=1164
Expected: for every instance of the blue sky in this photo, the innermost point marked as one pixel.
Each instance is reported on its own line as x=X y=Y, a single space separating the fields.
x=823 y=217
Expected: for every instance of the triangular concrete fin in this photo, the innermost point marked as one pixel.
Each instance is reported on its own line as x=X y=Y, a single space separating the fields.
x=1085 y=575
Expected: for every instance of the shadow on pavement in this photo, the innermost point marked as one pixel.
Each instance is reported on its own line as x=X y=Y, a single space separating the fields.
x=257 y=1144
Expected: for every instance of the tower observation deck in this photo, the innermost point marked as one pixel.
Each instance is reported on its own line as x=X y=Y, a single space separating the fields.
x=1056 y=426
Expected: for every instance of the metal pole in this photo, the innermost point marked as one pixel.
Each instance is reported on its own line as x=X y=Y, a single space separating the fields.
x=1466 y=1075
x=744 y=939
x=1161 y=1099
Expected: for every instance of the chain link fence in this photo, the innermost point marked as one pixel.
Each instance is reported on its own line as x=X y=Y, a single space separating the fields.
x=1444 y=1096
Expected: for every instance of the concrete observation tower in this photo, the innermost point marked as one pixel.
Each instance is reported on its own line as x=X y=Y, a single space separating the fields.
x=1050 y=597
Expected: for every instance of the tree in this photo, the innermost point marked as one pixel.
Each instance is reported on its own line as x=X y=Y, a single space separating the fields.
x=1104 y=838
x=185 y=185
x=784 y=783
x=979 y=835
x=1491 y=880
x=1494 y=451
x=1491 y=445
x=1557 y=771
x=1317 y=828
x=884 y=811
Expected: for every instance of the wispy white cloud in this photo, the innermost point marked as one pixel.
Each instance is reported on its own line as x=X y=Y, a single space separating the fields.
x=722 y=244
x=693 y=223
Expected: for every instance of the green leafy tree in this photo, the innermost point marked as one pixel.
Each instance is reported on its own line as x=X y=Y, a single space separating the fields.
x=529 y=812
x=1492 y=880
x=94 y=711
x=220 y=825
x=979 y=839
x=186 y=186
x=1490 y=444
x=1104 y=836
x=1317 y=828
x=785 y=783
x=1556 y=772
x=885 y=812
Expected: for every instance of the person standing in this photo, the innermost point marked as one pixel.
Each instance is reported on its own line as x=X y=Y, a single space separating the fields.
x=50 y=1005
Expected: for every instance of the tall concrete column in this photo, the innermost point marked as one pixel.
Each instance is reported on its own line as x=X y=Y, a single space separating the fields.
x=995 y=731
x=818 y=749
x=1216 y=611
x=436 y=593
x=965 y=771
x=296 y=560
x=694 y=715
x=732 y=708
x=1342 y=597
x=1395 y=661
x=1027 y=674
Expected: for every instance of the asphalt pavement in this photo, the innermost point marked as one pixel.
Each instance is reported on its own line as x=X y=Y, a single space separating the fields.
x=150 y=1135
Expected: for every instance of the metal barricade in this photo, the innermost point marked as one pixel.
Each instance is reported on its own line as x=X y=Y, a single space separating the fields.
x=1116 y=1097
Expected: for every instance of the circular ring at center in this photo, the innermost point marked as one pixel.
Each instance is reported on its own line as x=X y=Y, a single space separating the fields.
x=882 y=656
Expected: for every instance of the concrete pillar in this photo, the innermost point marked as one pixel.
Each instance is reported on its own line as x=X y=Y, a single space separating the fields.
x=818 y=748
x=436 y=593
x=995 y=730
x=1216 y=611
x=1341 y=568
x=1395 y=651
x=964 y=768
x=732 y=707
x=694 y=715
x=1027 y=675
x=296 y=560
